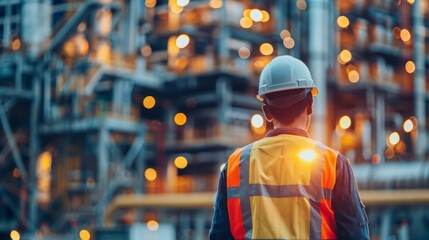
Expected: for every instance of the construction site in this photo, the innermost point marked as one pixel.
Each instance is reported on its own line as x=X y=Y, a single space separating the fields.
x=116 y=116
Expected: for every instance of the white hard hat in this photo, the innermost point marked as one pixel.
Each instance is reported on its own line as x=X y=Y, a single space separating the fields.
x=285 y=73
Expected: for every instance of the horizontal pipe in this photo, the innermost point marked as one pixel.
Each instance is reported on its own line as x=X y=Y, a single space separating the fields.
x=187 y=201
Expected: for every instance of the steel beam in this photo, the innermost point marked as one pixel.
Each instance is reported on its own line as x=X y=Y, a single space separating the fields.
x=12 y=143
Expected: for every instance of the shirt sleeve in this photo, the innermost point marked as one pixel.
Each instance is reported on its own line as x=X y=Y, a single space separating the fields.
x=220 y=225
x=350 y=215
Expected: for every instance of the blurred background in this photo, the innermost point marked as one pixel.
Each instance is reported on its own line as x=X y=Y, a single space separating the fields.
x=117 y=115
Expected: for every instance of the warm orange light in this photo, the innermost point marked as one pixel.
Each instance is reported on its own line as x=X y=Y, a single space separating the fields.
x=307 y=155
x=16 y=44
x=16 y=173
x=266 y=49
x=353 y=76
x=84 y=234
x=246 y=22
x=45 y=161
x=408 y=125
x=265 y=16
x=152 y=225
x=150 y=3
x=150 y=174
x=345 y=56
x=180 y=119
x=284 y=34
x=410 y=1
x=146 y=51
x=288 y=42
x=405 y=35
x=389 y=153
x=244 y=52
x=301 y=4
x=345 y=122
x=410 y=67
x=182 y=41
x=216 y=3
x=343 y=21
x=257 y=121
x=180 y=162
x=149 y=102
x=256 y=15
x=394 y=138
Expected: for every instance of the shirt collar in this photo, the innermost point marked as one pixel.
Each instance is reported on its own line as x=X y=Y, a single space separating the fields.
x=290 y=131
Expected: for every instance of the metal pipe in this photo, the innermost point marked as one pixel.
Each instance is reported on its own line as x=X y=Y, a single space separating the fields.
x=318 y=52
x=419 y=80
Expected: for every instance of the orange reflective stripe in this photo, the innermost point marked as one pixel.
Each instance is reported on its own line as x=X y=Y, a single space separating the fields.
x=236 y=218
x=329 y=227
x=233 y=171
x=329 y=169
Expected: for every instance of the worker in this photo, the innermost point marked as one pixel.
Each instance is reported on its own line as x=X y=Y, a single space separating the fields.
x=286 y=185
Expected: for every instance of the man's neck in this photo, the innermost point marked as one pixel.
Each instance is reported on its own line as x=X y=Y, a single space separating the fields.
x=300 y=123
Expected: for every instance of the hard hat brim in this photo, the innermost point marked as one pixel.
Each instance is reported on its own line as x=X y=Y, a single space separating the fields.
x=314 y=92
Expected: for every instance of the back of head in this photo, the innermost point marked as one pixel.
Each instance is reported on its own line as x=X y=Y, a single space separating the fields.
x=287 y=88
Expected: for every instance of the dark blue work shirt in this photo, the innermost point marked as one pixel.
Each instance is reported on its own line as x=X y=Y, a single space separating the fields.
x=350 y=215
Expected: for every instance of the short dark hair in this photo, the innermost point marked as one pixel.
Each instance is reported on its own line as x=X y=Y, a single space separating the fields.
x=288 y=115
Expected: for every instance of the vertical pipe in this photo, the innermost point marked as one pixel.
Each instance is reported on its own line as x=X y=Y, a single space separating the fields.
x=318 y=11
x=34 y=149
x=103 y=163
x=280 y=21
x=419 y=80
x=380 y=137
x=223 y=38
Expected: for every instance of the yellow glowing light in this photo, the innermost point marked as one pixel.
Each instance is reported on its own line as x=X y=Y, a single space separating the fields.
x=246 y=22
x=343 y=21
x=257 y=121
x=266 y=49
x=244 y=52
x=288 y=42
x=150 y=174
x=16 y=44
x=84 y=234
x=307 y=155
x=45 y=161
x=410 y=67
x=353 y=76
x=182 y=41
x=150 y=3
x=180 y=162
x=405 y=35
x=152 y=225
x=345 y=122
x=246 y=13
x=216 y=3
x=394 y=138
x=301 y=4
x=182 y=3
x=265 y=16
x=408 y=125
x=284 y=34
x=180 y=119
x=15 y=235
x=345 y=56
x=256 y=15
x=149 y=102
x=176 y=9
x=410 y=1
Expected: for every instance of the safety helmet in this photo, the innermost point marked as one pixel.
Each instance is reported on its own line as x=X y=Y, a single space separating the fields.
x=285 y=73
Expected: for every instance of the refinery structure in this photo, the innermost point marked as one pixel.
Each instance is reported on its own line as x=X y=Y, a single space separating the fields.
x=116 y=115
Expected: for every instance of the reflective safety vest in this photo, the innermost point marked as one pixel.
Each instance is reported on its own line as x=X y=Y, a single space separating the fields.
x=281 y=187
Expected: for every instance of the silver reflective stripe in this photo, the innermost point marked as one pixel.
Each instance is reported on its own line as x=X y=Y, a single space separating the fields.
x=282 y=191
x=244 y=190
x=315 y=184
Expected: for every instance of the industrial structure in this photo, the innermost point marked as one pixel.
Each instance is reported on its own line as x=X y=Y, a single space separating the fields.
x=116 y=115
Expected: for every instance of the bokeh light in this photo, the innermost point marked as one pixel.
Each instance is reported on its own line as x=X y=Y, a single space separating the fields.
x=180 y=162
x=150 y=174
x=256 y=15
x=246 y=22
x=149 y=102
x=14 y=235
x=345 y=122
x=266 y=49
x=343 y=21
x=244 y=52
x=180 y=119
x=84 y=234
x=257 y=121
x=152 y=225
x=394 y=138
x=410 y=67
x=182 y=41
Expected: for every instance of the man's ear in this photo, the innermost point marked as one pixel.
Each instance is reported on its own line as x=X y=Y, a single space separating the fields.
x=310 y=106
x=267 y=113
